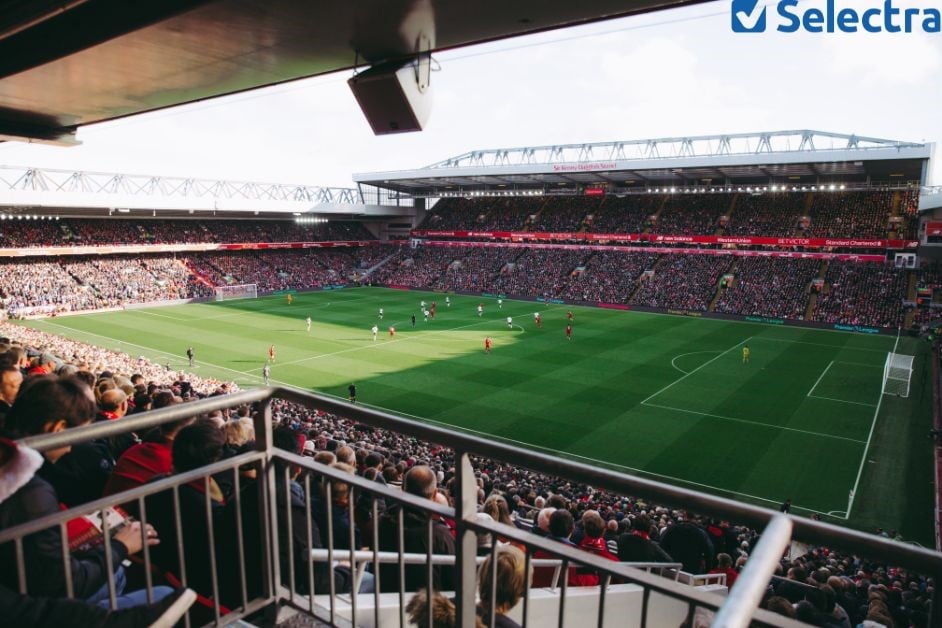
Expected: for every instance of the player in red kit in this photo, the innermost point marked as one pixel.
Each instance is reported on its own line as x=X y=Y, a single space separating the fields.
x=569 y=315
x=392 y=332
x=487 y=345
x=538 y=320
x=569 y=332
x=271 y=353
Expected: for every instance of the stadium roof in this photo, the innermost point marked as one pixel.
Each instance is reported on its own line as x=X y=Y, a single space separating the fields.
x=801 y=156
x=69 y=63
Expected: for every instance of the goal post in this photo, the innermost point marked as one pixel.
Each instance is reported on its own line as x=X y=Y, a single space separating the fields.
x=897 y=373
x=241 y=291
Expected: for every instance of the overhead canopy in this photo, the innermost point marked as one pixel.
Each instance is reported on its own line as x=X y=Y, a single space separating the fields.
x=68 y=63
x=770 y=157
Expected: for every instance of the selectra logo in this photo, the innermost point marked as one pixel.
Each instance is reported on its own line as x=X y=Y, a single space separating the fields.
x=827 y=16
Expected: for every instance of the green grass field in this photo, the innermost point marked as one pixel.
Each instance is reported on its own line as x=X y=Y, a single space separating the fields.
x=665 y=396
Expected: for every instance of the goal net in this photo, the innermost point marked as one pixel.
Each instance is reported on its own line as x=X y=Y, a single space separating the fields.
x=897 y=372
x=241 y=291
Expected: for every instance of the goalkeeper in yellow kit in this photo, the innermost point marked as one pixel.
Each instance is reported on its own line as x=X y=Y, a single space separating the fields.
x=745 y=354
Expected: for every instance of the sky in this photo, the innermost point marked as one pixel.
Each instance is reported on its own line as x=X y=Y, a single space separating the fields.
x=666 y=74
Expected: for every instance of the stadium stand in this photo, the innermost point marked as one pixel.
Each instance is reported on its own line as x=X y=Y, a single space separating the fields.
x=696 y=214
x=862 y=294
x=685 y=282
x=88 y=231
x=769 y=286
x=766 y=214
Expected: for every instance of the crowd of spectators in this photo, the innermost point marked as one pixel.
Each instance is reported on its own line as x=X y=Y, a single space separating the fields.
x=608 y=277
x=767 y=214
x=769 y=286
x=862 y=294
x=416 y=268
x=108 y=231
x=566 y=214
x=73 y=284
x=628 y=214
x=540 y=272
x=849 y=215
x=686 y=282
x=693 y=214
x=475 y=269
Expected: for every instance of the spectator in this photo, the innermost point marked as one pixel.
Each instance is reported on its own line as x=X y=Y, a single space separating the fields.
x=70 y=402
x=420 y=481
x=511 y=583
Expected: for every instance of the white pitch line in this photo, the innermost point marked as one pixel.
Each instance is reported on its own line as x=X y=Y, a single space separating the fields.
x=856 y=403
x=820 y=377
x=173 y=318
x=863 y=458
x=757 y=423
x=682 y=378
x=683 y=354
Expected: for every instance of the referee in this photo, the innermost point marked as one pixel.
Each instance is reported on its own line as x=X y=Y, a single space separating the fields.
x=352 y=389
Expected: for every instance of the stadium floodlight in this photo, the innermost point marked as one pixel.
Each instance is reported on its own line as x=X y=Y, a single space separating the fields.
x=673 y=190
x=833 y=187
x=842 y=186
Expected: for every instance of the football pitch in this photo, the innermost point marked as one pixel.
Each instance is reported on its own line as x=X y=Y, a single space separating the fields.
x=668 y=397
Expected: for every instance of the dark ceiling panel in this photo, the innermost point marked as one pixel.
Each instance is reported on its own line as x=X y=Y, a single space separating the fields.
x=64 y=64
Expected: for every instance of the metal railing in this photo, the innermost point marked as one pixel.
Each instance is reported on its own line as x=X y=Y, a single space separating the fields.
x=283 y=579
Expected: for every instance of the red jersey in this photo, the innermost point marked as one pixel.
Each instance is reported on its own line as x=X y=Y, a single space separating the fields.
x=487 y=344
x=569 y=315
x=568 y=330
x=392 y=331
x=271 y=352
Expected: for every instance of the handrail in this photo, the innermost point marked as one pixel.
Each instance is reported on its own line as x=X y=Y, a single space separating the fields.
x=753 y=581
x=807 y=530
x=777 y=526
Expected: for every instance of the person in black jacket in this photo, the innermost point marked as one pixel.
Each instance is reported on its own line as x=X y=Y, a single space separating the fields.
x=421 y=481
x=72 y=404
x=636 y=546
x=689 y=544
x=195 y=446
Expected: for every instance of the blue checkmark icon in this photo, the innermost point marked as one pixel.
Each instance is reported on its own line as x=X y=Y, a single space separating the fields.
x=747 y=16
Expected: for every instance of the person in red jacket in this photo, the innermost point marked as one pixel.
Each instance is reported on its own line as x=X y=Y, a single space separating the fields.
x=724 y=564
x=561 y=526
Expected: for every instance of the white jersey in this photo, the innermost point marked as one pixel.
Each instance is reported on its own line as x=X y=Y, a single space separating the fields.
x=422 y=304
x=375 y=331
x=536 y=315
x=480 y=309
x=510 y=321
x=308 y=323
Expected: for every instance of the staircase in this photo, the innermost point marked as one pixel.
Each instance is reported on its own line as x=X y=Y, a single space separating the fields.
x=894 y=211
x=729 y=214
x=656 y=214
x=812 y=295
x=719 y=284
x=369 y=271
x=660 y=261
